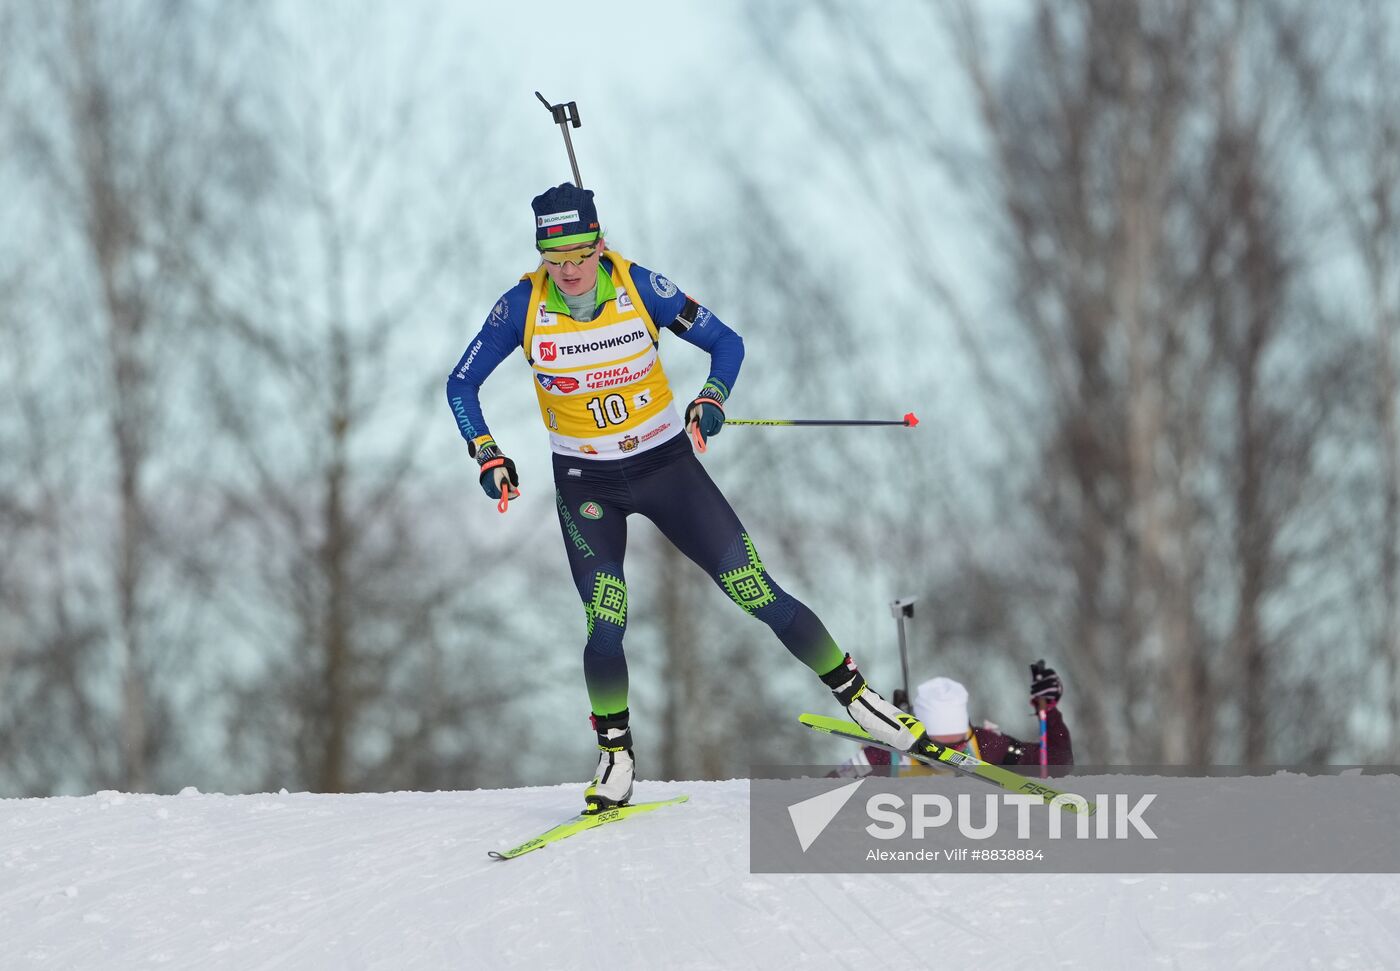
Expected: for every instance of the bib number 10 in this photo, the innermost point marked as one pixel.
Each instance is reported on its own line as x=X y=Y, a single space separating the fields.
x=611 y=410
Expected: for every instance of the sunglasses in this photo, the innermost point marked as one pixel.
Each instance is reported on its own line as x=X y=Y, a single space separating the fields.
x=574 y=256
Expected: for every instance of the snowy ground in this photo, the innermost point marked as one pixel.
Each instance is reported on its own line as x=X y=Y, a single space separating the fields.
x=402 y=881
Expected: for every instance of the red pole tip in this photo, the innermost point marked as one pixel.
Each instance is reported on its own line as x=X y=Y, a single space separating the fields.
x=910 y=420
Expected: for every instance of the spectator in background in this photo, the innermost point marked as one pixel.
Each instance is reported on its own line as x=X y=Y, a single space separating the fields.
x=941 y=705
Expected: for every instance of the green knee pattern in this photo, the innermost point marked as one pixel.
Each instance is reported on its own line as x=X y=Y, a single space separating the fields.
x=747 y=585
x=609 y=602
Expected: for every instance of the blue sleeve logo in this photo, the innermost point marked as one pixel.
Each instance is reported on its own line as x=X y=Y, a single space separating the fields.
x=500 y=312
x=663 y=286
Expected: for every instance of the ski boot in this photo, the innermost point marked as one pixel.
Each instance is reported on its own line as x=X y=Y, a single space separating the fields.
x=612 y=781
x=873 y=713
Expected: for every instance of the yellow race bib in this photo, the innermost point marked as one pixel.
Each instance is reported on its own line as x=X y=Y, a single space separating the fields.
x=602 y=391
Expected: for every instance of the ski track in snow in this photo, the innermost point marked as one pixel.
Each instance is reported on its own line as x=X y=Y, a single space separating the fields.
x=402 y=881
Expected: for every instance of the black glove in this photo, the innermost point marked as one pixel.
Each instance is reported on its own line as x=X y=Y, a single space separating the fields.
x=1046 y=686
x=707 y=411
x=496 y=470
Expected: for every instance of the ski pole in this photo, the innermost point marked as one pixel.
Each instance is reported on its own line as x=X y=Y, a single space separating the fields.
x=1036 y=669
x=901 y=609
x=908 y=421
x=1044 y=744
x=565 y=115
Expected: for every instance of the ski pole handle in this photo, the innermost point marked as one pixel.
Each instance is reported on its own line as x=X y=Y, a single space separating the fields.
x=565 y=115
x=506 y=497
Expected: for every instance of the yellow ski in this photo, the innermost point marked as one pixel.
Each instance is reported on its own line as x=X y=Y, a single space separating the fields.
x=580 y=823
x=994 y=774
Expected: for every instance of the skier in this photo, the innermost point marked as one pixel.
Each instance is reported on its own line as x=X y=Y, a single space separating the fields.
x=940 y=704
x=589 y=322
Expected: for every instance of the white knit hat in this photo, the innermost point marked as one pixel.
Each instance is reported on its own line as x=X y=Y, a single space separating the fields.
x=941 y=704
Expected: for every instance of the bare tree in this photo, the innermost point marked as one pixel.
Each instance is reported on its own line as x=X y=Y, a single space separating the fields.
x=353 y=605
x=1345 y=72
x=1125 y=173
x=51 y=720
x=122 y=129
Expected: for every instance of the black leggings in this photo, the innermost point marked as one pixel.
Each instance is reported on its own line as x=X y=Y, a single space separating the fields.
x=669 y=486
